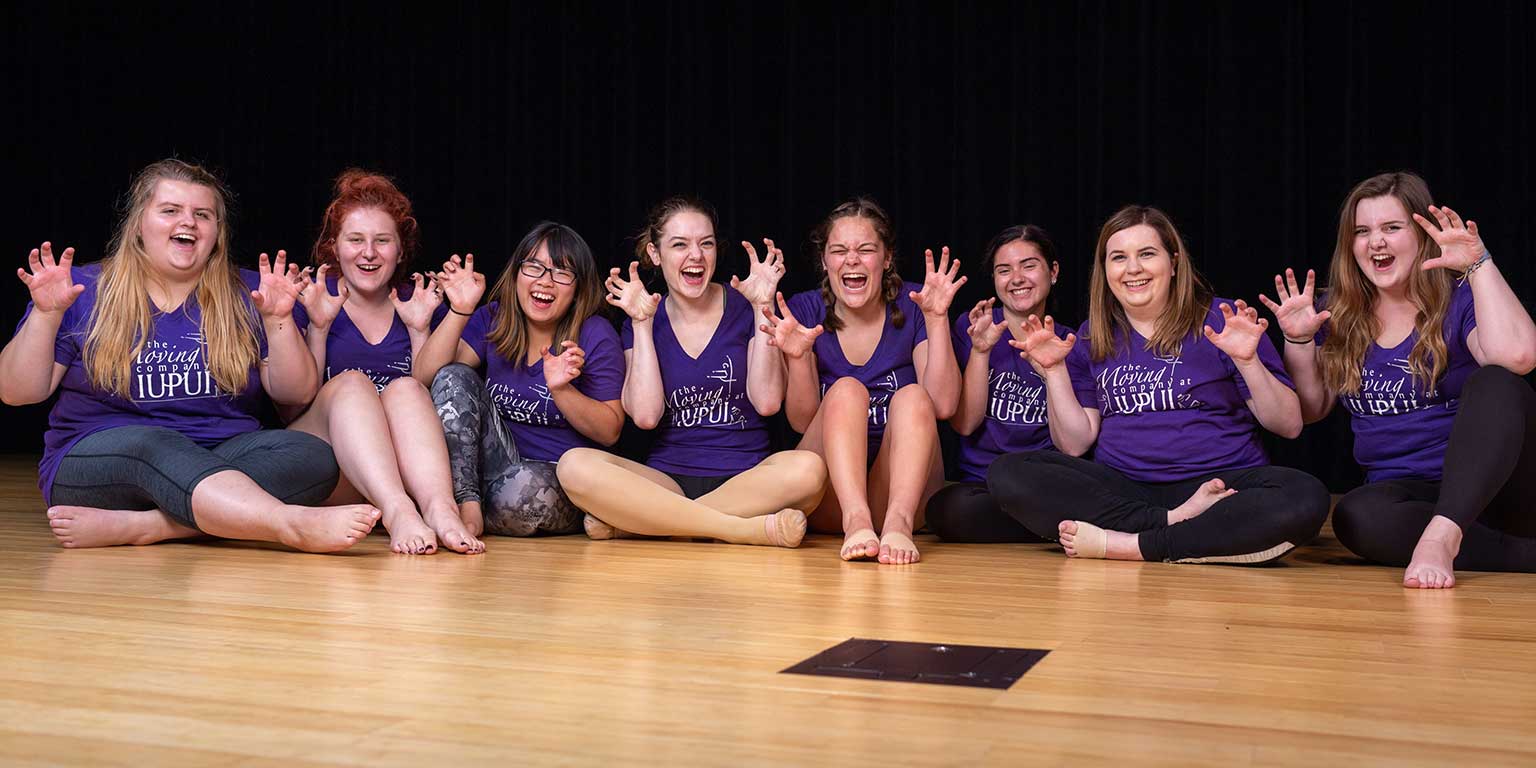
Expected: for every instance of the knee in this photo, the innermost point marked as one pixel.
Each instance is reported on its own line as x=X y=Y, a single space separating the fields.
x=403 y=387
x=1310 y=497
x=453 y=377
x=804 y=470
x=578 y=468
x=1351 y=517
x=912 y=402
x=846 y=394
x=348 y=384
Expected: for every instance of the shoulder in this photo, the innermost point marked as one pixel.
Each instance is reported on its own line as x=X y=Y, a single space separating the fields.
x=808 y=306
x=250 y=277
x=962 y=322
x=597 y=330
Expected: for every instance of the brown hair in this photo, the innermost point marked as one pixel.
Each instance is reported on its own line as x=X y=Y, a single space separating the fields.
x=1352 y=296
x=122 y=319
x=657 y=219
x=869 y=210
x=1189 y=300
x=356 y=188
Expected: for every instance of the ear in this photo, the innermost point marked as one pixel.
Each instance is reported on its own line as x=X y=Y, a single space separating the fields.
x=1055 y=271
x=650 y=252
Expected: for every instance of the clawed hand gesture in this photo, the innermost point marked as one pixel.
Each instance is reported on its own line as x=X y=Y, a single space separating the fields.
x=51 y=283
x=1041 y=346
x=462 y=285
x=763 y=276
x=939 y=285
x=630 y=295
x=1460 y=244
x=1297 y=311
x=416 y=312
x=1240 y=335
x=786 y=333
x=279 y=289
x=983 y=332
x=562 y=369
x=319 y=304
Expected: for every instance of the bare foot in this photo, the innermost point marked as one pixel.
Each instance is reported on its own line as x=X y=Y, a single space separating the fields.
x=326 y=529
x=1432 y=566
x=451 y=531
x=860 y=544
x=785 y=528
x=83 y=527
x=898 y=549
x=1209 y=492
x=474 y=520
x=408 y=533
x=1088 y=541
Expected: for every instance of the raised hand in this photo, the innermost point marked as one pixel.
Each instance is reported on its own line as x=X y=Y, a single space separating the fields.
x=51 y=283
x=462 y=285
x=786 y=333
x=416 y=312
x=1041 y=347
x=316 y=297
x=763 y=276
x=1460 y=244
x=630 y=295
x=1297 y=312
x=560 y=370
x=984 y=333
x=279 y=289
x=1240 y=336
x=939 y=285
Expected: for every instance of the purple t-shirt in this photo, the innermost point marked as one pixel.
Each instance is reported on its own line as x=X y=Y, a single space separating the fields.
x=1171 y=418
x=1401 y=429
x=526 y=407
x=171 y=387
x=708 y=427
x=889 y=367
x=1016 y=418
x=347 y=349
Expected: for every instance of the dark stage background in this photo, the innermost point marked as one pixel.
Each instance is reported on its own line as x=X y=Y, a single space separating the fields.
x=1247 y=122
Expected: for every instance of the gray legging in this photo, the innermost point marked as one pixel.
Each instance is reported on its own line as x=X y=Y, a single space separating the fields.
x=518 y=496
x=140 y=467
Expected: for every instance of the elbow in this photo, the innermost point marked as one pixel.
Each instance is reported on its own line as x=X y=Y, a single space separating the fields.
x=1524 y=361
x=1290 y=428
x=10 y=396
x=944 y=411
x=646 y=421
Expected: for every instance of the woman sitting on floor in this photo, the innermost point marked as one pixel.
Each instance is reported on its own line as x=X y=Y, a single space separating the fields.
x=866 y=395
x=506 y=431
x=1172 y=413
x=363 y=326
x=701 y=373
x=161 y=354
x=1002 y=397
x=1429 y=368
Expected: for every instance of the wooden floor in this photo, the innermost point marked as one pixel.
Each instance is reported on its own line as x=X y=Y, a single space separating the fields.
x=576 y=652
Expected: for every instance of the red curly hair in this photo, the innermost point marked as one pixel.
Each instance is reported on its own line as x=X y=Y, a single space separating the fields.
x=357 y=188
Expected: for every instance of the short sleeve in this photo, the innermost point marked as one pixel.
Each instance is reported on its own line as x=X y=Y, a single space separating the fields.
x=1269 y=356
x=914 y=315
x=1463 y=313
x=807 y=308
x=602 y=377
x=1080 y=370
x=961 y=338
x=627 y=334
x=477 y=328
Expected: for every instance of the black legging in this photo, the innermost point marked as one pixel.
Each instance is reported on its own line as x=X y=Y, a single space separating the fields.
x=1272 y=506
x=967 y=513
x=1488 y=486
x=136 y=467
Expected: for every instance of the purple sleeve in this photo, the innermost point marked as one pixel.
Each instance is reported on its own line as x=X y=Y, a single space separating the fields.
x=1463 y=313
x=252 y=280
x=602 y=377
x=808 y=308
x=1080 y=369
x=962 y=340
x=914 y=315
x=1268 y=355
x=476 y=330
x=438 y=315
x=627 y=334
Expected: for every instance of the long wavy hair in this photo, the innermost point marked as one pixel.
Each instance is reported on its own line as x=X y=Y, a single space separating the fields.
x=890 y=279
x=1352 y=296
x=1189 y=297
x=122 y=320
x=509 y=328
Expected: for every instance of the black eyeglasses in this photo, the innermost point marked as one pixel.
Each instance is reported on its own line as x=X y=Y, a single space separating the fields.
x=536 y=270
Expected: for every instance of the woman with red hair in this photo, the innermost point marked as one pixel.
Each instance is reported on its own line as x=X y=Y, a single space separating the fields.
x=364 y=321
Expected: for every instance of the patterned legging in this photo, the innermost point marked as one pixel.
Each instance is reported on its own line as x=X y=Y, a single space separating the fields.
x=518 y=496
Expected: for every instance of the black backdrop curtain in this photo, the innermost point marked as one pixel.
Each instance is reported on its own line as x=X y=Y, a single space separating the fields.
x=1248 y=123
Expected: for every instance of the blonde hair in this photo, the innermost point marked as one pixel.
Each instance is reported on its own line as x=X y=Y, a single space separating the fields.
x=1188 y=305
x=122 y=320
x=1352 y=296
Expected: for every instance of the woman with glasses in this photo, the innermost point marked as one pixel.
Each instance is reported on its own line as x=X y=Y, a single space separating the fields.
x=553 y=374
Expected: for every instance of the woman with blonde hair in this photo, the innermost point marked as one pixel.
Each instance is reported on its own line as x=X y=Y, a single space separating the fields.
x=161 y=354
x=363 y=326
x=1423 y=342
x=554 y=374
x=1170 y=392
x=700 y=372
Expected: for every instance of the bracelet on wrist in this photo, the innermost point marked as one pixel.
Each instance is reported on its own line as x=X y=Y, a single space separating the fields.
x=1298 y=342
x=1475 y=265
x=449 y=304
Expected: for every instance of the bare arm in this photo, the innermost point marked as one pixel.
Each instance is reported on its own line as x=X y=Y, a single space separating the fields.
x=1073 y=427
x=1299 y=322
x=28 y=373
x=765 y=365
x=599 y=420
x=462 y=288
x=937 y=369
x=976 y=379
x=1273 y=403
x=802 y=397
x=288 y=374
x=643 y=397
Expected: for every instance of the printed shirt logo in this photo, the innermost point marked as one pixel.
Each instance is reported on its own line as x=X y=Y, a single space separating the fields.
x=166 y=371
x=1015 y=399
x=393 y=370
x=1392 y=392
x=1133 y=388
x=701 y=406
x=525 y=408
